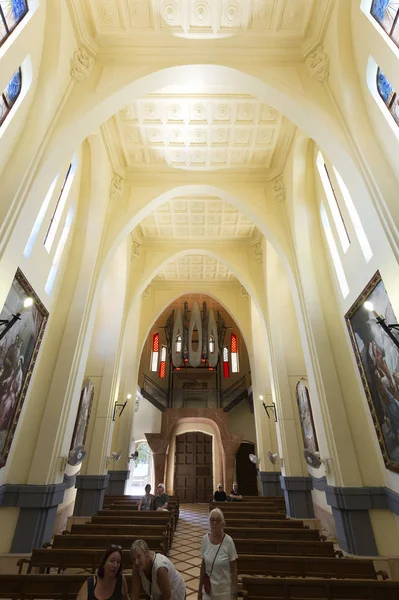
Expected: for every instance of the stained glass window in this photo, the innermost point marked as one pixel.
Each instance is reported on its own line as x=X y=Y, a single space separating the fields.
x=386 y=13
x=226 y=368
x=162 y=363
x=388 y=95
x=11 y=13
x=10 y=94
x=234 y=353
x=155 y=352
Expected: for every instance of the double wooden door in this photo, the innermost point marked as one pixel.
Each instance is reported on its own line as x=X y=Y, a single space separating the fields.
x=193 y=467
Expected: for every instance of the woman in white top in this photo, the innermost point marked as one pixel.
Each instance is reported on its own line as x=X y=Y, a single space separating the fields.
x=219 y=561
x=156 y=573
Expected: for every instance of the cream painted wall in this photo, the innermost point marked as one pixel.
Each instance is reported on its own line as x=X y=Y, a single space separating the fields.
x=241 y=421
x=146 y=420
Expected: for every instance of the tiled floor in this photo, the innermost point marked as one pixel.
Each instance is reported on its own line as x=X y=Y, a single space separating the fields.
x=185 y=552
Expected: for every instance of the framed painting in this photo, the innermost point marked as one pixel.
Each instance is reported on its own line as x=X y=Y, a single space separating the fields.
x=83 y=416
x=377 y=358
x=306 y=418
x=18 y=353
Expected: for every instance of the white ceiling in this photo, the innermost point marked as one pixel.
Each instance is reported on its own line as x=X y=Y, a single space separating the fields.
x=195 y=268
x=201 y=18
x=199 y=132
x=197 y=217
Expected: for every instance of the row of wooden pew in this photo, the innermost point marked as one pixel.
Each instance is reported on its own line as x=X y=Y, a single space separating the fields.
x=81 y=548
x=307 y=566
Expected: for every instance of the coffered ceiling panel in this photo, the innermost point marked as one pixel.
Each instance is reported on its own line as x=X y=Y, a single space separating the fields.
x=201 y=18
x=197 y=217
x=199 y=132
x=195 y=268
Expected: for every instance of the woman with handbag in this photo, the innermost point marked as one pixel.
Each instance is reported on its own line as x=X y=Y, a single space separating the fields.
x=218 y=577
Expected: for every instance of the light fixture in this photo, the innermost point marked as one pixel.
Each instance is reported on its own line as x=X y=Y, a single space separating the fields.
x=381 y=321
x=273 y=408
x=121 y=406
x=9 y=323
x=129 y=396
x=260 y=397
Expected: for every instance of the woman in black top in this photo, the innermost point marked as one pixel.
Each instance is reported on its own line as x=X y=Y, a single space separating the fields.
x=109 y=583
x=220 y=495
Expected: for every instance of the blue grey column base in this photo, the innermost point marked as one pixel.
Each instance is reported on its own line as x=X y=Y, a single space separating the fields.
x=270 y=483
x=90 y=494
x=117 y=483
x=38 y=508
x=350 y=507
x=298 y=496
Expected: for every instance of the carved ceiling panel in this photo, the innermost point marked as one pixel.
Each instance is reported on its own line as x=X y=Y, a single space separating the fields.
x=193 y=218
x=199 y=131
x=202 y=18
x=195 y=268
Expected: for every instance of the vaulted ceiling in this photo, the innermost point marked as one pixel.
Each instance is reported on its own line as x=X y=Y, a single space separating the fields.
x=195 y=268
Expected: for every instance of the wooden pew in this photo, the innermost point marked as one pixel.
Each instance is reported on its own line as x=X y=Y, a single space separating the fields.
x=264 y=523
x=252 y=516
x=137 y=514
x=155 y=542
x=136 y=531
x=68 y=558
x=284 y=547
x=320 y=589
x=236 y=506
x=273 y=533
x=44 y=587
x=309 y=566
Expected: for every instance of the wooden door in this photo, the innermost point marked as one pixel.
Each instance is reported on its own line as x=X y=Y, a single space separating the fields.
x=246 y=470
x=193 y=467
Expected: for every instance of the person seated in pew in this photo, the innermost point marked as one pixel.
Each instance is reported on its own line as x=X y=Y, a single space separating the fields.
x=235 y=494
x=109 y=582
x=146 y=501
x=162 y=499
x=156 y=573
x=220 y=494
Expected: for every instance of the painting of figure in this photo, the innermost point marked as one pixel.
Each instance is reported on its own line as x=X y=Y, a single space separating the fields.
x=306 y=418
x=378 y=361
x=18 y=351
x=82 y=419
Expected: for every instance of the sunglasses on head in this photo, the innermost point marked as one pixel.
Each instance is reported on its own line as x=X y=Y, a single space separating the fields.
x=116 y=547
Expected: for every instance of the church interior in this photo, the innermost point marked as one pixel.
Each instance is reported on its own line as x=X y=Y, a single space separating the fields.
x=199 y=279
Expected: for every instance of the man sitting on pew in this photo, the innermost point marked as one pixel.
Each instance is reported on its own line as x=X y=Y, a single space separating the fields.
x=235 y=494
x=145 y=502
x=161 y=501
x=220 y=494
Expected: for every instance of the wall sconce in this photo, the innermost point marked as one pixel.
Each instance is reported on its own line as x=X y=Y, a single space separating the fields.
x=8 y=323
x=271 y=407
x=381 y=321
x=121 y=406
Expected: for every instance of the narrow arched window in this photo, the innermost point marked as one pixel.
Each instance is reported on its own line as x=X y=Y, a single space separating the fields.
x=11 y=13
x=10 y=94
x=226 y=367
x=235 y=367
x=211 y=344
x=386 y=13
x=162 y=363
x=388 y=95
x=178 y=343
x=58 y=210
x=155 y=352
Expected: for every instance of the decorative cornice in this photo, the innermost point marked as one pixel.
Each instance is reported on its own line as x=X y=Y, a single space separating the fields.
x=82 y=64
x=258 y=252
x=147 y=292
x=135 y=250
x=116 y=187
x=244 y=292
x=318 y=64
x=279 y=188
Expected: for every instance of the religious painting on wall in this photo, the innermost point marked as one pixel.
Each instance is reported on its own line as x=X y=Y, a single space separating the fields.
x=18 y=352
x=306 y=418
x=83 y=416
x=377 y=358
